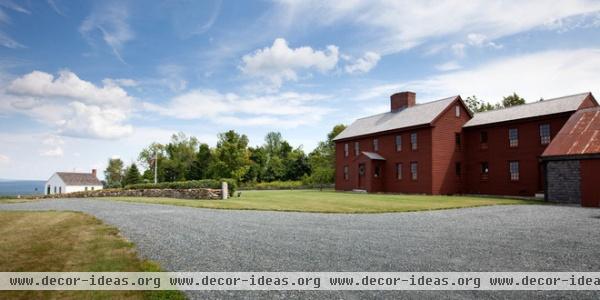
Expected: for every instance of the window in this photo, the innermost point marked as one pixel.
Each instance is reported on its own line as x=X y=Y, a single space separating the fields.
x=483 y=140
x=377 y=172
x=413 y=170
x=356 y=148
x=413 y=141
x=513 y=137
x=60 y=189
x=399 y=171
x=457 y=168
x=545 y=134
x=86 y=188
x=55 y=189
x=485 y=170
x=398 y=143
x=375 y=145
x=513 y=167
x=346 y=175
x=457 y=111
x=92 y=188
x=457 y=140
x=346 y=150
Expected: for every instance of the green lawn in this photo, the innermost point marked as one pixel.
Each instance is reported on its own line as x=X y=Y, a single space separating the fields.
x=69 y=242
x=15 y=200
x=332 y=202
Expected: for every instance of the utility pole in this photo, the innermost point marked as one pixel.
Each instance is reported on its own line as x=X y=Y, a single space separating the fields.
x=156 y=167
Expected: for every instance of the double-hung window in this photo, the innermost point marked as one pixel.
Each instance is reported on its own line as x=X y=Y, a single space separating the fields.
x=513 y=167
x=513 y=137
x=545 y=134
x=413 y=141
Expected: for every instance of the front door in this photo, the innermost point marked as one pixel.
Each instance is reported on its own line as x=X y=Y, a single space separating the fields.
x=361 y=176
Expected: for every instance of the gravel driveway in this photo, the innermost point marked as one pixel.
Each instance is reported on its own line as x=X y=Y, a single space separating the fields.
x=494 y=238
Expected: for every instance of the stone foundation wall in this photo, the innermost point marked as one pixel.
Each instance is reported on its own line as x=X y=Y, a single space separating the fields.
x=204 y=194
x=564 y=181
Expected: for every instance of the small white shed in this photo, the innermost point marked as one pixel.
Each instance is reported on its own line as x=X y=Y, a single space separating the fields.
x=68 y=182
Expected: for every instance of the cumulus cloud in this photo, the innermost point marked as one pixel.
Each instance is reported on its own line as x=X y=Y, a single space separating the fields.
x=74 y=106
x=363 y=64
x=383 y=29
x=110 y=21
x=284 y=109
x=543 y=74
x=279 y=62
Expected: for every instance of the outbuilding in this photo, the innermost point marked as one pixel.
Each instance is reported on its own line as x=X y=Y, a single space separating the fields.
x=572 y=161
x=69 y=182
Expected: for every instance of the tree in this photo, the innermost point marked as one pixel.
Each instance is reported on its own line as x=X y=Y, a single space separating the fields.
x=231 y=158
x=132 y=175
x=476 y=105
x=147 y=158
x=199 y=167
x=512 y=100
x=114 y=173
x=322 y=159
x=181 y=152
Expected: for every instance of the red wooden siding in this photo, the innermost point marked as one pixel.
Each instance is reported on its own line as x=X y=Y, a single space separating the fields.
x=445 y=154
x=589 y=185
x=388 y=182
x=498 y=155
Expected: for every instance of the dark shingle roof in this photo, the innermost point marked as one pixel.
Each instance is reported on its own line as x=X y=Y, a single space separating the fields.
x=541 y=108
x=78 y=178
x=420 y=114
x=579 y=136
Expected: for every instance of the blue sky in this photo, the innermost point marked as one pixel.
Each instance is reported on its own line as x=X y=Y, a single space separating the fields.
x=82 y=81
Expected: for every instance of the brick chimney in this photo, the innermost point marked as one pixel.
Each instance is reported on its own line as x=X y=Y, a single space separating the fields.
x=402 y=100
x=94 y=172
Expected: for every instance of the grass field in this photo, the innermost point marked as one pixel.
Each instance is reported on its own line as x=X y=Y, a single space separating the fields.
x=15 y=200
x=69 y=241
x=333 y=202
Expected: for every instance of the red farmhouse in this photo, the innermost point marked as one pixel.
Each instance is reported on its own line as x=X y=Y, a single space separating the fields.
x=440 y=147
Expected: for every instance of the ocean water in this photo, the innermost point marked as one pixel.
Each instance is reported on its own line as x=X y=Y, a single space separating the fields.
x=21 y=187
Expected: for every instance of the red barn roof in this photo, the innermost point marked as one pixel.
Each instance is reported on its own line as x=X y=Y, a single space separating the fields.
x=579 y=136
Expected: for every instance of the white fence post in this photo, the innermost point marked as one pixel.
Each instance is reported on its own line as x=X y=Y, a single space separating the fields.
x=224 y=190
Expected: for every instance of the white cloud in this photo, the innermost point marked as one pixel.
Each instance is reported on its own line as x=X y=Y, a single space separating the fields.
x=480 y=40
x=172 y=77
x=4 y=159
x=451 y=19
x=448 y=66
x=73 y=106
x=53 y=152
x=284 y=109
x=279 y=62
x=545 y=74
x=363 y=64
x=111 y=22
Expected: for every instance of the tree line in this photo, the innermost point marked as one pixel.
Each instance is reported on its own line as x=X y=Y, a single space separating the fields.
x=186 y=158
x=476 y=105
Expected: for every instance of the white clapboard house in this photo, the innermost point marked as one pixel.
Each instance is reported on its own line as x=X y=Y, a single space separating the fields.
x=69 y=182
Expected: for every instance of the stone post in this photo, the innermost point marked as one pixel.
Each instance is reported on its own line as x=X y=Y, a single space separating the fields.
x=224 y=190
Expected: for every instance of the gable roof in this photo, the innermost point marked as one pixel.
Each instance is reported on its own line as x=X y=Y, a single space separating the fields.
x=420 y=114
x=535 y=109
x=78 y=178
x=580 y=135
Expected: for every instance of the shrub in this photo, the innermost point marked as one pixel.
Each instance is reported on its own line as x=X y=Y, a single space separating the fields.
x=191 y=184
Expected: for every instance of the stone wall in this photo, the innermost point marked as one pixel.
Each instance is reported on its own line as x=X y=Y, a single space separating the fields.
x=205 y=194
x=563 y=181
